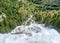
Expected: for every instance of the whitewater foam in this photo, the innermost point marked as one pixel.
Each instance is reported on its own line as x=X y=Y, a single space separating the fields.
x=32 y=33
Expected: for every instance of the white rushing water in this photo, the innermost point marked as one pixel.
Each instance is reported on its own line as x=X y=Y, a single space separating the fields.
x=32 y=33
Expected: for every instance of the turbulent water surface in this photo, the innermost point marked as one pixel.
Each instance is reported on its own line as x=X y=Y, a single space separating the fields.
x=33 y=33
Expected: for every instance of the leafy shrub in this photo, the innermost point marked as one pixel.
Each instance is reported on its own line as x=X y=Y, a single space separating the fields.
x=14 y=13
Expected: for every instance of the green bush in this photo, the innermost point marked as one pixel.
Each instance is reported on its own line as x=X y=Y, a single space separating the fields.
x=14 y=13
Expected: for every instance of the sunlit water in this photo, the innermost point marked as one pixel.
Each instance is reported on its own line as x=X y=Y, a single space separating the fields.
x=32 y=33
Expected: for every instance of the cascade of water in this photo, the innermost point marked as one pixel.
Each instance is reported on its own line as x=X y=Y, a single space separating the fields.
x=32 y=33
x=30 y=20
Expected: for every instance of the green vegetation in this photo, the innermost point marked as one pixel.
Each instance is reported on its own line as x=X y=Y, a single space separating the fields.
x=15 y=12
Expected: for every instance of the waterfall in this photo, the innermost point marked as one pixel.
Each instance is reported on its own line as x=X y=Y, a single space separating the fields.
x=32 y=33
